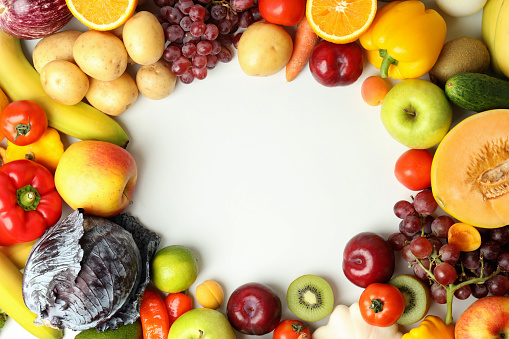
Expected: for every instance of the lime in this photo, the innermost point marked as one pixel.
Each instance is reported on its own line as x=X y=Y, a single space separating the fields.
x=174 y=269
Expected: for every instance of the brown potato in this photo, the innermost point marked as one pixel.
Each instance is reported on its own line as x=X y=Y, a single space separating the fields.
x=57 y=46
x=144 y=38
x=113 y=97
x=64 y=82
x=156 y=81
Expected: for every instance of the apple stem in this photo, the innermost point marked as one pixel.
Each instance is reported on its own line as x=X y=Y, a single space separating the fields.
x=201 y=334
x=386 y=62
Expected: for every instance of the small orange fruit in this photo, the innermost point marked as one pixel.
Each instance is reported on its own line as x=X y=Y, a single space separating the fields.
x=340 y=21
x=102 y=15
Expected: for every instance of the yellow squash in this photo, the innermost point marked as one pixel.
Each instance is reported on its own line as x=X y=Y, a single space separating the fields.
x=12 y=301
x=495 y=28
x=404 y=40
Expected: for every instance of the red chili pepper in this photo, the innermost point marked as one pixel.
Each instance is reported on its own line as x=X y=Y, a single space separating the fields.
x=153 y=316
x=29 y=202
x=177 y=304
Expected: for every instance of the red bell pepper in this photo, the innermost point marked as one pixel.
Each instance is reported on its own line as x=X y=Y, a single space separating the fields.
x=29 y=202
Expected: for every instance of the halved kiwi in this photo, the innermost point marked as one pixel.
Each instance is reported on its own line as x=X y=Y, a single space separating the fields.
x=310 y=298
x=417 y=298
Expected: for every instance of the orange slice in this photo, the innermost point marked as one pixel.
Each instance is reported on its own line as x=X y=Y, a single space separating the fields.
x=340 y=21
x=102 y=15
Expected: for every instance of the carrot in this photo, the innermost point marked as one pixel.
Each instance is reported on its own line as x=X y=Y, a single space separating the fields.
x=305 y=40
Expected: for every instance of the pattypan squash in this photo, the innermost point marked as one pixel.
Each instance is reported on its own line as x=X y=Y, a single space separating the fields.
x=347 y=323
x=431 y=327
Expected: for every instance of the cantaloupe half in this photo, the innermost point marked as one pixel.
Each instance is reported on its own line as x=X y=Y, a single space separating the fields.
x=470 y=170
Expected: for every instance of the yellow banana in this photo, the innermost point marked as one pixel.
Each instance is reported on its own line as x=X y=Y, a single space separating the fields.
x=20 y=81
x=495 y=25
x=11 y=301
x=18 y=253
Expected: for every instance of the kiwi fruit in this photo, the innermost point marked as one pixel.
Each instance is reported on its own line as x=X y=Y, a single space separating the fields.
x=460 y=55
x=417 y=298
x=310 y=298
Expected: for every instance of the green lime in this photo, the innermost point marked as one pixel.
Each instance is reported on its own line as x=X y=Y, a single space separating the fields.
x=174 y=269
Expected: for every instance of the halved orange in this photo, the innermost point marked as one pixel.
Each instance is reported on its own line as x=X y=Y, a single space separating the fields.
x=102 y=15
x=340 y=21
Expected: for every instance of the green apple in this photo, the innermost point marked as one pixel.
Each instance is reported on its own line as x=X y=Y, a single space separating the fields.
x=201 y=323
x=416 y=113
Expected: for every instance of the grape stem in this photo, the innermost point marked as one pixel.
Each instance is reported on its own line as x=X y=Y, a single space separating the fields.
x=450 y=289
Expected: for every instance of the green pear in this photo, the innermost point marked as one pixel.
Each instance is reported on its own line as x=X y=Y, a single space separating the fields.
x=416 y=113
x=201 y=323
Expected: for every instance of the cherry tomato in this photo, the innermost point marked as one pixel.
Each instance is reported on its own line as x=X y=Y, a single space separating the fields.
x=381 y=304
x=176 y=305
x=282 y=12
x=413 y=169
x=291 y=329
x=23 y=122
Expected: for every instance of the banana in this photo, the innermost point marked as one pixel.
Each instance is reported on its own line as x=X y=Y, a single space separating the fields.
x=12 y=303
x=20 y=81
x=18 y=253
x=495 y=25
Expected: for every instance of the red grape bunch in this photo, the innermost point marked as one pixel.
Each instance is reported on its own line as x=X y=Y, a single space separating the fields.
x=199 y=33
x=422 y=240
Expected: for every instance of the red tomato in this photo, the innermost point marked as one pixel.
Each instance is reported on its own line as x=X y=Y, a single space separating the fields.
x=413 y=169
x=282 y=12
x=23 y=122
x=381 y=304
x=291 y=329
x=177 y=304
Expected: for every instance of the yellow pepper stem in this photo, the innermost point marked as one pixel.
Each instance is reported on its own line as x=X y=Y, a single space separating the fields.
x=386 y=62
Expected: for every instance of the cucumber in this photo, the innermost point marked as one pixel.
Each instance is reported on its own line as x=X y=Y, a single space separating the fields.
x=477 y=92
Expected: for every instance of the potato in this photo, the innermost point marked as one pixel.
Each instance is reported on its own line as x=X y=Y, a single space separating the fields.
x=144 y=38
x=56 y=46
x=101 y=55
x=264 y=49
x=156 y=81
x=113 y=97
x=64 y=82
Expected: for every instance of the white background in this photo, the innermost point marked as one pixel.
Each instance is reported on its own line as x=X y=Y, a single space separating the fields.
x=266 y=180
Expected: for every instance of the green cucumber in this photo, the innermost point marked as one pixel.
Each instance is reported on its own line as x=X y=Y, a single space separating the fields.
x=477 y=92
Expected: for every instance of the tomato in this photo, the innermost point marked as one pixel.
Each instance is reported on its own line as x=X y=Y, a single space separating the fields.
x=23 y=122
x=291 y=329
x=282 y=12
x=413 y=169
x=177 y=304
x=381 y=304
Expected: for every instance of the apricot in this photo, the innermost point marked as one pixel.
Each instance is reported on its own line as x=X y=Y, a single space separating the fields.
x=210 y=294
x=373 y=90
x=464 y=237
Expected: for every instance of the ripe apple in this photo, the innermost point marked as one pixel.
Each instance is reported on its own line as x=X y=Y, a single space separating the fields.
x=254 y=309
x=485 y=318
x=97 y=176
x=201 y=323
x=336 y=64
x=368 y=258
x=416 y=113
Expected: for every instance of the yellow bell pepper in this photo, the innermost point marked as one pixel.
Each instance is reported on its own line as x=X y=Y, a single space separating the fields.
x=46 y=151
x=404 y=40
x=431 y=327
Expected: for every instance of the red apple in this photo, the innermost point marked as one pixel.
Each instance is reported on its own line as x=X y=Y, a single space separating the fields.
x=336 y=64
x=486 y=318
x=368 y=258
x=254 y=309
x=97 y=176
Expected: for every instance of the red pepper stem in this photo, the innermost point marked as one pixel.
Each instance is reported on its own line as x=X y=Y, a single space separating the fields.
x=386 y=62
x=377 y=305
x=28 y=198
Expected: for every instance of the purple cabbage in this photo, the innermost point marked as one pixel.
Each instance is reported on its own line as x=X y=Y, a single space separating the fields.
x=87 y=272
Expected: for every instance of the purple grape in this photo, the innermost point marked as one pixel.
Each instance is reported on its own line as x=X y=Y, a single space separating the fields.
x=187 y=77
x=449 y=253
x=211 y=32
x=225 y=55
x=198 y=28
x=189 y=50
x=438 y=293
x=498 y=285
x=500 y=235
x=479 y=290
x=236 y=39
x=407 y=255
x=397 y=241
x=224 y=26
x=421 y=247
x=199 y=61
x=174 y=33
x=216 y=47
x=204 y=47
x=245 y=19
x=471 y=260
x=197 y=13
x=410 y=226
x=218 y=11
x=241 y=5
x=200 y=73
x=503 y=261
x=185 y=6
x=490 y=250
x=445 y=273
x=463 y=292
x=211 y=61
x=180 y=66
x=419 y=272
x=186 y=23
x=425 y=203
x=403 y=208
x=440 y=226
x=171 y=53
